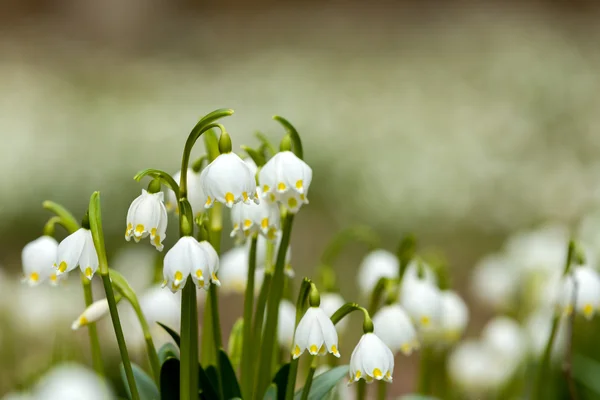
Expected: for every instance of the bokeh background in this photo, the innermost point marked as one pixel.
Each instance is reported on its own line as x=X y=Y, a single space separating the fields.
x=460 y=122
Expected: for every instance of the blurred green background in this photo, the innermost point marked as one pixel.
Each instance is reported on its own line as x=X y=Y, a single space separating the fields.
x=460 y=122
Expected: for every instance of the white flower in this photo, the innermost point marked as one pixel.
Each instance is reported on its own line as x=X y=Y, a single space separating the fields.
x=376 y=265
x=188 y=257
x=538 y=326
x=540 y=251
x=505 y=336
x=72 y=382
x=286 y=323
x=495 y=282
x=195 y=193
x=371 y=360
x=394 y=327
x=286 y=178
x=228 y=180
x=233 y=271
x=261 y=254
x=315 y=333
x=38 y=258
x=412 y=272
x=455 y=316
x=423 y=303
x=77 y=249
x=252 y=165
x=255 y=218
x=93 y=313
x=588 y=292
x=330 y=303
x=147 y=215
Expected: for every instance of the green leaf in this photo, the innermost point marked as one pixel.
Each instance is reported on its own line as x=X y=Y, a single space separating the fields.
x=205 y=379
x=145 y=384
x=173 y=334
x=169 y=379
x=324 y=383
x=586 y=371
x=271 y=393
x=281 y=380
x=234 y=346
x=168 y=350
x=231 y=387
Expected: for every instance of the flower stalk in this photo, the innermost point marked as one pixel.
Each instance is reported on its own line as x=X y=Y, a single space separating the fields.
x=247 y=327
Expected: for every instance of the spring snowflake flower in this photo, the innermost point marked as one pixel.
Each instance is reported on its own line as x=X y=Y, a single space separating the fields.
x=195 y=193
x=96 y=311
x=376 y=265
x=147 y=215
x=330 y=303
x=286 y=178
x=188 y=257
x=315 y=333
x=38 y=258
x=253 y=218
x=72 y=381
x=228 y=180
x=422 y=302
x=286 y=323
x=588 y=292
x=77 y=249
x=495 y=282
x=507 y=339
x=233 y=271
x=394 y=327
x=454 y=316
x=371 y=360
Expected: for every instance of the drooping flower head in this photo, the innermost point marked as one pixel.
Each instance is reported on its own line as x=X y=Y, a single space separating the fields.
x=147 y=216
x=315 y=333
x=254 y=218
x=286 y=178
x=228 y=180
x=587 y=296
x=93 y=313
x=190 y=258
x=195 y=193
x=376 y=265
x=422 y=302
x=77 y=249
x=454 y=316
x=394 y=327
x=38 y=258
x=371 y=360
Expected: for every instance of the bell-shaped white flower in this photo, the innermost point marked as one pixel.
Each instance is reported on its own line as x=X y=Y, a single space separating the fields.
x=455 y=316
x=252 y=218
x=96 y=311
x=233 y=271
x=376 y=265
x=195 y=193
x=371 y=360
x=72 y=381
x=330 y=303
x=286 y=178
x=147 y=215
x=587 y=300
x=495 y=282
x=286 y=322
x=394 y=327
x=77 y=249
x=538 y=327
x=188 y=257
x=38 y=258
x=315 y=333
x=261 y=254
x=228 y=180
x=506 y=337
x=422 y=302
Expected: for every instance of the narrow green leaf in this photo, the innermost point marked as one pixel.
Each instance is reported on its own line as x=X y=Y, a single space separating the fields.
x=234 y=346
x=169 y=379
x=271 y=393
x=205 y=382
x=144 y=383
x=172 y=333
x=231 y=387
x=168 y=350
x=323 y=383
x=281 y=380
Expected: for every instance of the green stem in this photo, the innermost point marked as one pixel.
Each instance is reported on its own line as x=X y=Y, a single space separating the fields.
x=259 y=314
x=95 y=221
x=67 y=219
x=425 y=366
x=246 y=369
x=150 y=348
x=361 y=390
x=309 y=379
x=276 y=292
x=92 y=330
x=381 y=390
x=293 y=135
x=188 y=378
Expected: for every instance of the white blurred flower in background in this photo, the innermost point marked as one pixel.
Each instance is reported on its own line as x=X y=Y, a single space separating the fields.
x=538 y=326
x=286 y=324
x=494 y=282
x=376 y=265
x=587 y=295
x=195 y=193
x=395 y=328
x=506 y=338
x=454 y=316
x=330 y=303
x=233 y=271
x=72 y=382
x=38 y=258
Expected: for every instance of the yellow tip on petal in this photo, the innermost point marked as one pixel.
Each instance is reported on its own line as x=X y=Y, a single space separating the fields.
x=335 y=351
x=299 y=184
x=34 y=277
x=272 y=198
x=377 y=373
x=245 y=196
x=83 y=321
x=139 y=229
x=247 y=223
x=292 y=202
x=266 y=188
x=157 y=240
x=425 y=321
x=53 y=277
x=88 y=272
x=229 y=198
x=296 y=352
x=199 y=274
x=264 y=223
x=62 y=267
x=153 y=232
x=313 y=349
x=281 y=186
x=358 y=375
x=128 y=230
x=178 y=276
x=588 y=310
x=406 y=348
x=208 y=202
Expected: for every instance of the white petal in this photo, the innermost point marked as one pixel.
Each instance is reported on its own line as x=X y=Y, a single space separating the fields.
x=394 y=327
x=70 y=249
x=330 y=336
x=376 y=265
x=178 y=264
x=88 y=261
x=38 y=258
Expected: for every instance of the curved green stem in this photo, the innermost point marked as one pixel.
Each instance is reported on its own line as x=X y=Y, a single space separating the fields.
x=265 y=143
x=95 y=218
x=297 y=148
x=346 y=309
x=275 y=295
x=380 y=288
x=309 y=378
x=247 y=328
x=405 y=252
x=49 y=227
x=67 y=219
x=162 y=175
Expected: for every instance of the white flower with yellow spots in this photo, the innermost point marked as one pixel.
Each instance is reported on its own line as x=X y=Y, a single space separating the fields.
x=587 y=300
x=147 y=216
x=96 y=311
x=228 y=180
x=394 y=327
x=253 y=218
x=371 y=360
x=286 y=178
x=233 y=271
x=376 y=265
x=195 y=193
x=38 y=258
x=190 y=258
x=422 y=302
x=454 y=316
x=315 y=333
x=77 y=249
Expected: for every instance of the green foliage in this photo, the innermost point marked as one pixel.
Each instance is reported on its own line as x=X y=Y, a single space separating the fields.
x=169 y=379
x=323 y=383
x=231 y=387
x=281 y=380
x=145 y=385
x=172 y=333
x=168 y=350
